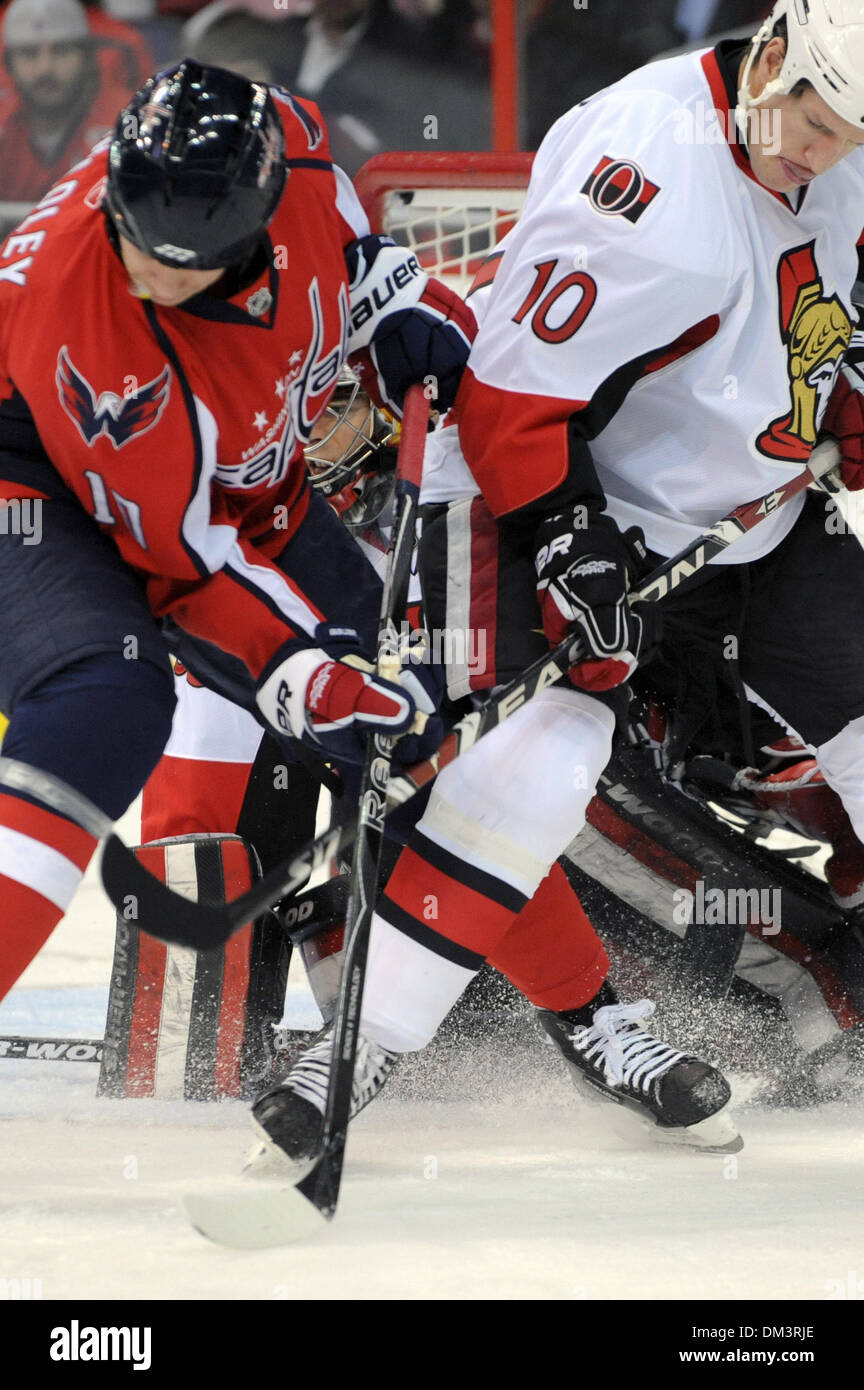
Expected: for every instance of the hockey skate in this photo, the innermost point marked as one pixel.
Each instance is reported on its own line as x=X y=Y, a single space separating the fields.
x=617 y=1058
x=264 y=1207
x=288 y=1117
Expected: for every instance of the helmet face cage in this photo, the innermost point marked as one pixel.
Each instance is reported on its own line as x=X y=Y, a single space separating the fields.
x=350 y=479
x=824 y=46
x=196 y=167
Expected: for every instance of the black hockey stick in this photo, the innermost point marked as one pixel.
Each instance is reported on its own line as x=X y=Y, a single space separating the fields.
x=170 y=917
x=321 y=1184
x=51 y=1049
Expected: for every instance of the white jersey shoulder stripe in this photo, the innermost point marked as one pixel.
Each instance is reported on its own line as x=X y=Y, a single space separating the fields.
x=349 y=205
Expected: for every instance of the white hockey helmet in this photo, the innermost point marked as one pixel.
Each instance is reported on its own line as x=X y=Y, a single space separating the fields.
x=824 y=46
x=31 y=22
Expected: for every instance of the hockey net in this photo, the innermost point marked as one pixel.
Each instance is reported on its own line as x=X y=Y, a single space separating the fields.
x=450 y=209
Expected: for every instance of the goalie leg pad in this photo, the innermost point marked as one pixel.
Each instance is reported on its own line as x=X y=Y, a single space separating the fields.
x=194 y=1025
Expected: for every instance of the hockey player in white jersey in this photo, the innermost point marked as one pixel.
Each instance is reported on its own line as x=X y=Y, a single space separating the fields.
x=662 y=341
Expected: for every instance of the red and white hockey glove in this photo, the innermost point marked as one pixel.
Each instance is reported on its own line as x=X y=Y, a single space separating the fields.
x=844 y=421
x=334 y=704
x=583 y=575
x=405 y=328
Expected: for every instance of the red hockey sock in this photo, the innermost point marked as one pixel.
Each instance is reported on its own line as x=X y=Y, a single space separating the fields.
x=432 y=893
x=551 y=952
x=42 y=860
x=190 y=796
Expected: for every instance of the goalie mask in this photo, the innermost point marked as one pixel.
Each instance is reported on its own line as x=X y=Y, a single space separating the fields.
x=349 y=458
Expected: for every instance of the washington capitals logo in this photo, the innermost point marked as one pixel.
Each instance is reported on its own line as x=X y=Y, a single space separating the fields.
x=314 y=132
x=120 y=417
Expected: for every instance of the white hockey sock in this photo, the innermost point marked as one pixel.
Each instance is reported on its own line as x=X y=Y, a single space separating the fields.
x=409 y=990
x=842 y=761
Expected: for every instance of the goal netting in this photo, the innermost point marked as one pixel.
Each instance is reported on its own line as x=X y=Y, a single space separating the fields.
x=451 y=209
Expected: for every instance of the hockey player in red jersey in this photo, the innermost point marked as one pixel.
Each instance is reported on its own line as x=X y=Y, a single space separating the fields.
x=662 y=340
x=197 y=285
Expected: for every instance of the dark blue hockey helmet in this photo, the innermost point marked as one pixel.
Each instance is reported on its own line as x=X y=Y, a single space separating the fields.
x=196 y=167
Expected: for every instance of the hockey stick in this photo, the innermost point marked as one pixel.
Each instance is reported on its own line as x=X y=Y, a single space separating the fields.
x=170 y=917
x=321 y=1184
x=51 y=1049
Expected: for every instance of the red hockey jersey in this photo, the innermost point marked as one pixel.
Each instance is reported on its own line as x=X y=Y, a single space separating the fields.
x=180 y=430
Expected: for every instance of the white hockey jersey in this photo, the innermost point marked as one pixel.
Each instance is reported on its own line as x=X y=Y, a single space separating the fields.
x=658 y=301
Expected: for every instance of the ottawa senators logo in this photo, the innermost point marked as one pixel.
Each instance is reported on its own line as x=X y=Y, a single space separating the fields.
x=816 y=332
x=618 y=188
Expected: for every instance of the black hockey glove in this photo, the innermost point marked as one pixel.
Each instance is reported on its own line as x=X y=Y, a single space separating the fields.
x=585 y=566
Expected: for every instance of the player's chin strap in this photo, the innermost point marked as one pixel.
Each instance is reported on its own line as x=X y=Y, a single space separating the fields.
x=745 y=100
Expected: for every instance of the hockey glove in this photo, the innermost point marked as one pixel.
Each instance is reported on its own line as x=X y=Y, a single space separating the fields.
x=330 y=697
x=405 y=328
x=844 y=421
x=583 y=575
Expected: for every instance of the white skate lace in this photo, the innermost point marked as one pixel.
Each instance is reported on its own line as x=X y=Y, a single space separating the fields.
x=310 y=1075
x=629 y=1056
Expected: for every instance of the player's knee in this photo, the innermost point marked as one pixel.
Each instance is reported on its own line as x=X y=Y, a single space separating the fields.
x=100 y=725
x=538 y=765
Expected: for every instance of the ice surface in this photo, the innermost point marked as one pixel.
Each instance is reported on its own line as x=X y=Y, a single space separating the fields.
x=481 y=1176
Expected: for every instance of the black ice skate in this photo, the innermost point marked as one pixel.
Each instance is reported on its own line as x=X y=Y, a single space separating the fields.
x=615 y=1056
x=289 y=1116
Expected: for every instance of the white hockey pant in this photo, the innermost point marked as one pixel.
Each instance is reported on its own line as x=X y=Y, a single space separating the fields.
x=842 y=762
x=509 y=806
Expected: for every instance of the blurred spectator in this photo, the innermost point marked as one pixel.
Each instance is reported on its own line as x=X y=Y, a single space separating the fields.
x=250 y=36
x=58 y=103
x=122 y=51
x=697 y=19
x=362 y=64
x=573 y=52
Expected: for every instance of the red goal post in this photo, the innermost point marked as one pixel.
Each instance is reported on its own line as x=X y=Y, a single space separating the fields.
x=450 y=209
